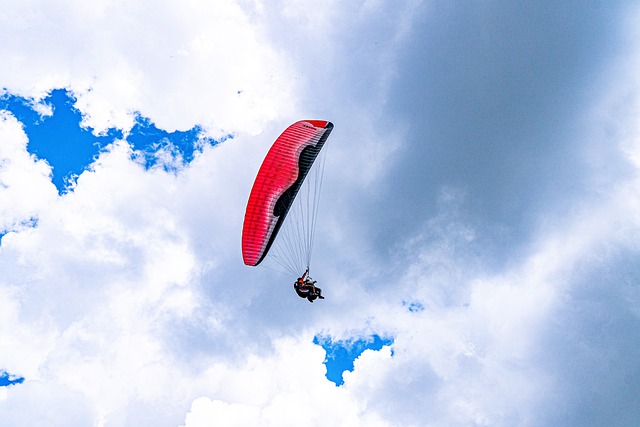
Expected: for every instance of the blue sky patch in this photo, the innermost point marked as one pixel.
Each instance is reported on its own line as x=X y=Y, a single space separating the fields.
x=413 y=306
x=58 y=138
x=7 y=379
x=342 y=354
x=147 y=139
x=70 y=148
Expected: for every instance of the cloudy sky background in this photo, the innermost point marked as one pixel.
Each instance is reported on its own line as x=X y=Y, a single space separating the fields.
x=484 y=215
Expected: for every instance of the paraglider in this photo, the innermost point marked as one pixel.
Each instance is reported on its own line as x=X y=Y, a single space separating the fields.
x=275 y=189
x=306 y=287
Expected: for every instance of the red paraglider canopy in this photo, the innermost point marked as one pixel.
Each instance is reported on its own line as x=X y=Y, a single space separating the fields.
x=282 y=172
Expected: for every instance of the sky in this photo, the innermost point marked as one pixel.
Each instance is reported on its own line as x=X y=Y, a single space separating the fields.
x=477 y=244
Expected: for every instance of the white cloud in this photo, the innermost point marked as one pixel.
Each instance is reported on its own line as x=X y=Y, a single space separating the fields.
x=181 y=63
x=25 y=184
x=287 y=388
